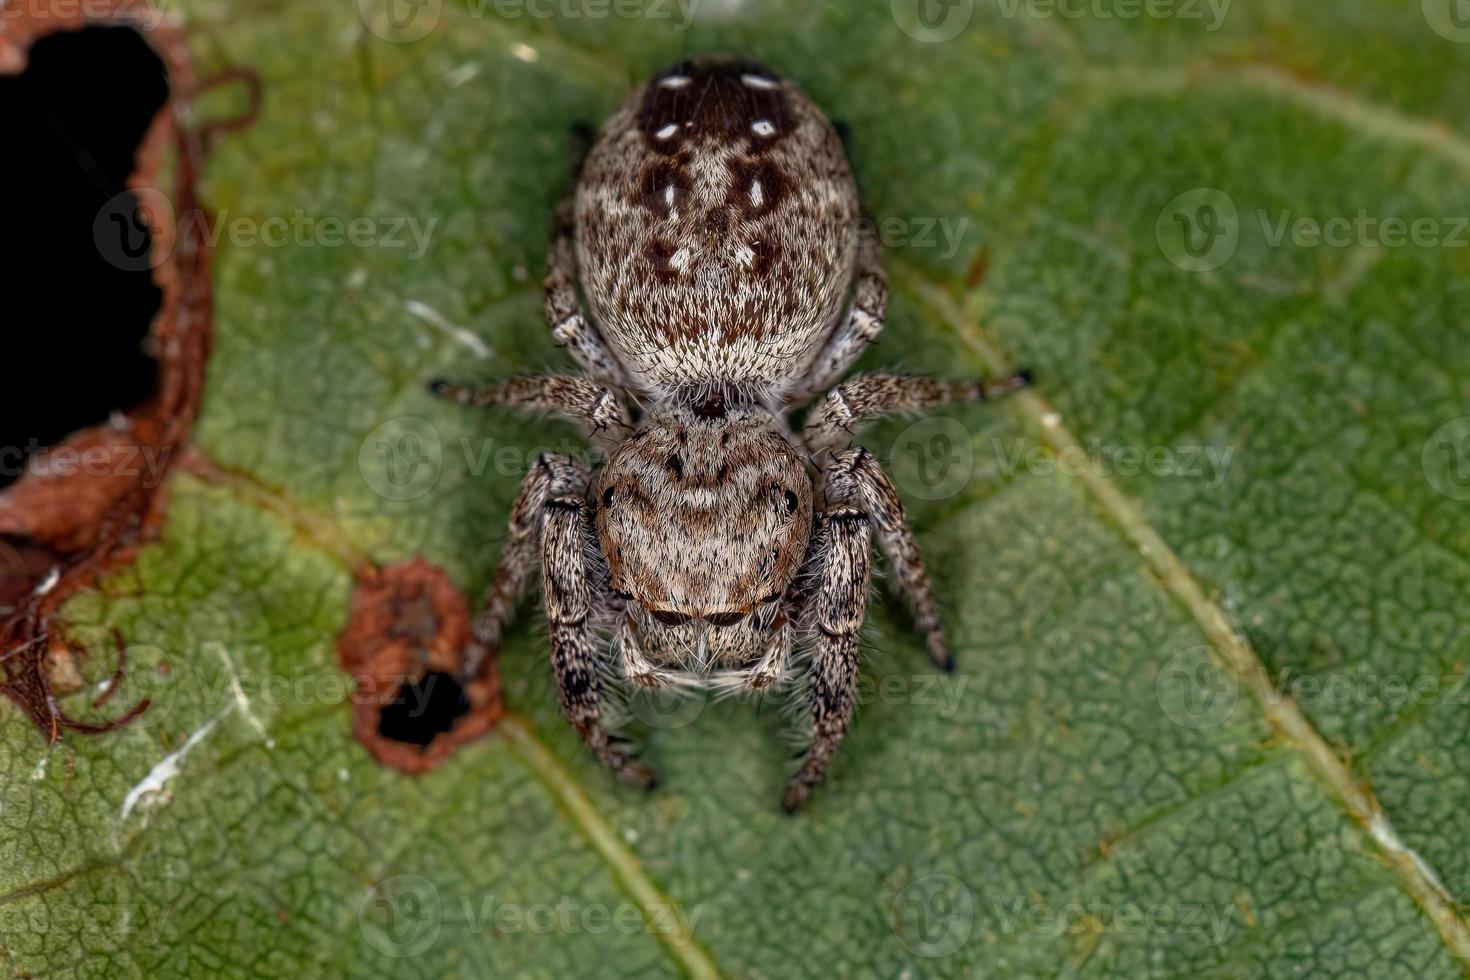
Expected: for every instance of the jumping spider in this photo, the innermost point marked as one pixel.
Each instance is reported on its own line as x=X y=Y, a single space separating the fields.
x=716 y=230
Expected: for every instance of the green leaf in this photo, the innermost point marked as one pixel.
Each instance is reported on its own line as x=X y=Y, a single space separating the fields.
x=1204 y=583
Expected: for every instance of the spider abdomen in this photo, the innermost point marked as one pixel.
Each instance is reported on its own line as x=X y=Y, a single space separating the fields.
x=717 y=228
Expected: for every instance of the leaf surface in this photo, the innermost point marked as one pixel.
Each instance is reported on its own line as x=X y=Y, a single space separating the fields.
x=1176 y=743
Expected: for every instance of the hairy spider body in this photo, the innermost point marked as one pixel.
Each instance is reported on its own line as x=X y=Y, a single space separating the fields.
x=717 y=227
x=715 y=232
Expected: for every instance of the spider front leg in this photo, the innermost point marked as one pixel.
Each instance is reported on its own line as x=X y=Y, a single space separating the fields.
x=836 y=615
x=771 y=667
x=570 y=598
x=856 y=475
x=598 y=409
x=637 y=667
x=550 y=476
x=832 y=424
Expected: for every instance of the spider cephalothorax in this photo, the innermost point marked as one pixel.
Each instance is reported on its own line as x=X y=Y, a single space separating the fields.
x=715 y=231
x=703 y=518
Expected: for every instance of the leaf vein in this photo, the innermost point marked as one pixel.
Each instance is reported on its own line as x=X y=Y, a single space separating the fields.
x=1418 y=878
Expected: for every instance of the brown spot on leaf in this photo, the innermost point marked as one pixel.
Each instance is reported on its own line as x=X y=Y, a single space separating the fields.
x=404 y=645
x=63 y=526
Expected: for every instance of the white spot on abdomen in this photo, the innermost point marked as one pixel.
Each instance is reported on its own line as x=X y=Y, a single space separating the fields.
x=758 y=81
x=674 y=81
x=764 y=127
x=757 y=194
x=667 y=131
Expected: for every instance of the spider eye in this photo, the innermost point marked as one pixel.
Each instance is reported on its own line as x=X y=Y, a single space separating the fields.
x=607 y=497
x=791 y=502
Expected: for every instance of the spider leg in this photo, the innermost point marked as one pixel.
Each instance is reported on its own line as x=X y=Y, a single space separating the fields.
x=832 y=423
x=570 y=326
x=550 y=476
x=855 y=474
x=599 y=410
x=858 y=329
x=777 y=654
x=569 y=597
x=637 y=667
x=836 y=615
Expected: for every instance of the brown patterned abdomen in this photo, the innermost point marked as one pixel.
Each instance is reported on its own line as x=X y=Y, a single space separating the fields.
x=717 y=228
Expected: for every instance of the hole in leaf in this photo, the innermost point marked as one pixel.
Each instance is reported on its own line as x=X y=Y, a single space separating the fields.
x=427 y=708
x=408 y=620
x=81 y=306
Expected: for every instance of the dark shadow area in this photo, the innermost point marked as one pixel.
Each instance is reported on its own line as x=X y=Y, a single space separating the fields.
x=427 y=708
x=80 y=294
